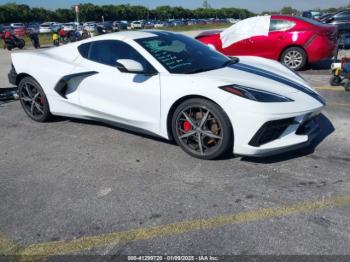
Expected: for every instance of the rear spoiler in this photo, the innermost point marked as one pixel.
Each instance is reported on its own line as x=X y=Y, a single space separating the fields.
x=208 y=33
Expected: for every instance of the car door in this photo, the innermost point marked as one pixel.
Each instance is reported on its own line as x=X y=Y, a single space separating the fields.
x=127 y=98
x=240 y=48
x=270 y=46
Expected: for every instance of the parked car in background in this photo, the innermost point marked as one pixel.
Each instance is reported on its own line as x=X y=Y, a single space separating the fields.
x=177 y=23
x=69 y=26
x=17 y=25
x=312 y=14
x=45 y=27
x=106 y=26
x=159 y=24
x=56 y=26
x=233 y=21
x=90 y=26
x=33 y=27
x=120 y=25
x=294 y=41
x=6 y=28
x=136 y=25
x=19 y=29
x=340 y=19
x=49 y=27
x=148 y=25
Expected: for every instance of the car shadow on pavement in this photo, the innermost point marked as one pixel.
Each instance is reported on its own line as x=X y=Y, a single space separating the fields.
x=322 y=65
x=115 y=126
x=326 y=128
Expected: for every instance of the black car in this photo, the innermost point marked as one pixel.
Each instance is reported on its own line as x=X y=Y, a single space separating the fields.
x=312 y=14
x=119 y=26
x=340 y=19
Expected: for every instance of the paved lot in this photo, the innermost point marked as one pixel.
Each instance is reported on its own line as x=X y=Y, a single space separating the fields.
x=78 y=187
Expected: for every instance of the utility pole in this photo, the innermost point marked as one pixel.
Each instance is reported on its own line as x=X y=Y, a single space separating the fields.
x=77 y=10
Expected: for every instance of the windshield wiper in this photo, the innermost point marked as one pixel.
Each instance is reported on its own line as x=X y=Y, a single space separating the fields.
x=232 y=61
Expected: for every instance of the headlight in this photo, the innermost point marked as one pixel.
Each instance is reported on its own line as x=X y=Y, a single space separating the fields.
x=255 y=94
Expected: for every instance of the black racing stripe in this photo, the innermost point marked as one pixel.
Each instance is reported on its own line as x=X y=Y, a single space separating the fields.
x=277 y=78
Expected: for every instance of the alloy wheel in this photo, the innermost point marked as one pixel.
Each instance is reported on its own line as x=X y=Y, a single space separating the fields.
x=199 y=130
x=293 y=59
x=32 y=100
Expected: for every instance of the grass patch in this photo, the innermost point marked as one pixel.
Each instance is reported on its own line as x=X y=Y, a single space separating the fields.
x=44 y=39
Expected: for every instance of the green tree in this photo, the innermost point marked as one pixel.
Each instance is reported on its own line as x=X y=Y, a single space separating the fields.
x=12 y=12
x=288 y=10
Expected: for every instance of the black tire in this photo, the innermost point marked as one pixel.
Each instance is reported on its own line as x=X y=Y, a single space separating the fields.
x=213 y=131
x=294 y=57
x=335 y=81
x=347 y=86
x=33 y=100
x=22 y=44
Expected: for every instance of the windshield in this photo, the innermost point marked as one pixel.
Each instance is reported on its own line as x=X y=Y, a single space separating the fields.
x=180 y=54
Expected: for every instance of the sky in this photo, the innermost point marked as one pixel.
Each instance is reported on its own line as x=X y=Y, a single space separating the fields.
x=252 y=5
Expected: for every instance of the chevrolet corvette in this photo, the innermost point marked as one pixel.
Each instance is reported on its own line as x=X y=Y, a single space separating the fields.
x=172 y=86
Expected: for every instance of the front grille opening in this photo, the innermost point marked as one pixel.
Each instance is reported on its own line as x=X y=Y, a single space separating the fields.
x=270 y=131
x=307 y=126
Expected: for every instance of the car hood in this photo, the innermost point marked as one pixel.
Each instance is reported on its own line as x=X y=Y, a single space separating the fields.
x=261 y=73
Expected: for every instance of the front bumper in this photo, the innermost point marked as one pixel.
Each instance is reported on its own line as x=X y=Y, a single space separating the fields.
x=278 y=129
x=296 y=136
x=12 y=76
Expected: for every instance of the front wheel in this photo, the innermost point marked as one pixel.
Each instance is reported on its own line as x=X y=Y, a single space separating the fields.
x=202 y=129
x=294 y=57
x=33 y=100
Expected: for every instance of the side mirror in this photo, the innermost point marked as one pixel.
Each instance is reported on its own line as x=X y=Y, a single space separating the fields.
x=130 y=66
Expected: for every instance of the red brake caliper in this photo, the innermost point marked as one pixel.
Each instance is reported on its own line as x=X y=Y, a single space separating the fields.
x=187 y=126
x=41 y=101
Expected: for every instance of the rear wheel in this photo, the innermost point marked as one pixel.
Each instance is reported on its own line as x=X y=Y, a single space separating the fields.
x=33 y=100
x=347 y=85
x=335 y=81
x=294 y=57
x=202 y=129
x=21 y=44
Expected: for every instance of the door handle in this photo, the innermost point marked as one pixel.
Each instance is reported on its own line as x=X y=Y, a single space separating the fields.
x=249 y=41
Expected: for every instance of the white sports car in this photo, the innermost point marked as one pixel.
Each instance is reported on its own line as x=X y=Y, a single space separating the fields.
x=171 y=86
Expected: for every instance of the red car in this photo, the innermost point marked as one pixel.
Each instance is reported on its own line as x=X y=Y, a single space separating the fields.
x=20 y=31
x=294 y=41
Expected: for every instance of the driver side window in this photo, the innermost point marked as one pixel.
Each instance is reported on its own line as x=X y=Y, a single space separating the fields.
x=107 y=52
